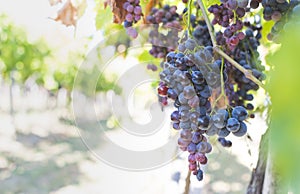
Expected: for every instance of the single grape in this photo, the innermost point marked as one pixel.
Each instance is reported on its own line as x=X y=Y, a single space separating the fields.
x=212 y=130
x=204 y=121
x=200 y=175
x=192 y=166
x=175 y=116
x=176 y=126
x=242 y=130
x=189 y=92
x=129 y=17
x=201 y=147
x=182 y=99
x=232 y=4
x=186 y=134
x=192 y=158
x=137 y=10
x=184 y=115
x=254 y=4
x=194 y=117
x=276 y=16
x=240 y=113
x=191 y=148
x=233 y=125
x=194 y=102
x=223 y=132
x=209 y=148
x=183 y=142
x=127 y=24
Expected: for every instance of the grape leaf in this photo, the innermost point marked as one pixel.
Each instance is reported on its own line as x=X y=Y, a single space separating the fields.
x=102 y=17
x=284 y=90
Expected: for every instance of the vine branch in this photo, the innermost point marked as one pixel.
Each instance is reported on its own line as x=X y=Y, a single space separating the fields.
x=187 y=183
x=258 y=174
x=207 y=21
x=246 y=72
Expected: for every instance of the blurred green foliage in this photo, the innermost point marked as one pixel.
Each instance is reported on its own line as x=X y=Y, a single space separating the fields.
x=284 y=89
x=23 y=59
x=18 y=55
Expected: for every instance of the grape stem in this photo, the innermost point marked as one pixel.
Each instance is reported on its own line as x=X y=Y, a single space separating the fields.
x=189 y=16
x=246 y=72
x=207 y=21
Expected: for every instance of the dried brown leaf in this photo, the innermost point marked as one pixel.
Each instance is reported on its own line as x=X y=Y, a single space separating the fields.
x=54 y=2
x=71 y=11
x=68 y=14
x=117 y=10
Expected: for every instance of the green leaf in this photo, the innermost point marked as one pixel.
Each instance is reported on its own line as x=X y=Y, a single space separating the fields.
x=284 y=89
x=103 y=16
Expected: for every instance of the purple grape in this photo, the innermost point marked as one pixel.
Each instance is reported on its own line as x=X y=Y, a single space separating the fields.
x=200 y=175
x=186 y=135
x=132 y=32
x=129 y=17
x=191 y=148
x=232 y=125
x=240 y=113
x=240 y=12
x=254 y=4
x=130 y=8
x=192 y=158
x=242 y=130
x=138 y=10
x=232 y=4
x=276 y=16
x=137 y=17
x=125 y=5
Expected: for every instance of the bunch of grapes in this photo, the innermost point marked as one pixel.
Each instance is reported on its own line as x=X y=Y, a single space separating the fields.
x=211 y=96
x=282 y=16
x=246 y=55
x=184 y=83
x=225 y=14
x=164 y=19
x=274 y=9
x=188 y=80
x=133 y=15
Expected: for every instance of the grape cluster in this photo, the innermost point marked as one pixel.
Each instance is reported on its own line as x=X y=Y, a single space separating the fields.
x=274 y=9
x=238 y=86
x=169 y=19
x=184 y=83
x=282 y=18
x=224 y=15
x=188 y=80
x=133 y=15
